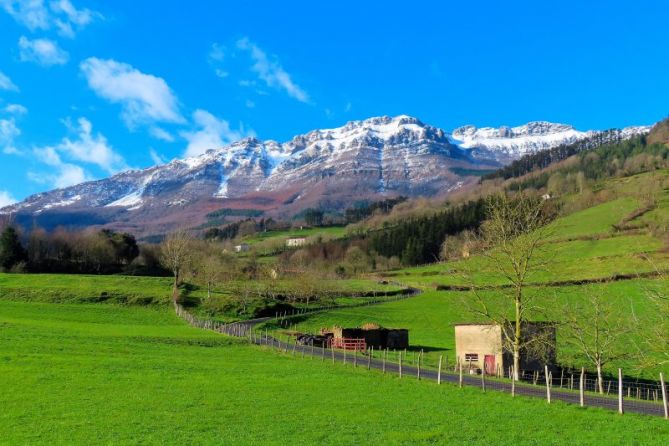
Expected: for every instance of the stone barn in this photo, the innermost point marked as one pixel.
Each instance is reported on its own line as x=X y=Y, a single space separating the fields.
x=479 y=347
x=373 y=335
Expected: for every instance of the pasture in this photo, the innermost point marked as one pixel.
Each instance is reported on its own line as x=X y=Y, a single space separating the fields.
x=93 y=373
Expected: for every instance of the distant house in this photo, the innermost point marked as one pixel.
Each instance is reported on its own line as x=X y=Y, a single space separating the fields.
x=244 y=247
x=479 y=347
x=294 y=242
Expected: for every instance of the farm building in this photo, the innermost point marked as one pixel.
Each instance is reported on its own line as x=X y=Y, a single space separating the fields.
x=369 y=335
x=294 y=242
x=244 y=247
x=480 y=347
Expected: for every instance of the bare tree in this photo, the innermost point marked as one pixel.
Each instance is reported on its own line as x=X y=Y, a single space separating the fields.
x=210 y=272
x=308 y=286
x=655 y=349
x=596 y=328
x=175 y=255
x=513 y=236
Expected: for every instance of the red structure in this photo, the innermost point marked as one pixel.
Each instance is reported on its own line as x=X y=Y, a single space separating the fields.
x=349 y=344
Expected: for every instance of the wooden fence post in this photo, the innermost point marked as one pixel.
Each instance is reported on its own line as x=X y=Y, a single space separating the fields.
x=439 y=371
x=581 y=384
x=344 y=353
x=664 y=396
x=548 y=385
x=400 y=364
x=460 y=378
x=483 y=379
x=385 y=355
x=355 y=356
x=369 y=358
x=620 y=391
x=333 y=355
x=513 y=380
x=418 y=368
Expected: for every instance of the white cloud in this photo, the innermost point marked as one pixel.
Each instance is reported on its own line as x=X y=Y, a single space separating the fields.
x=6 y=199
x=161 y=134
x=91 y=148
x=216 y=57
x=250 y=104
x=42 y=51
x=62 y=14
x=216 y=53
x=271 y=72
x=212 y=133
x=15 y=109
x=145 y=98
x=6 y=83
x=85 y=147
x=66 y=174
x=32 y=14
x=8 y=132
x=156 y=157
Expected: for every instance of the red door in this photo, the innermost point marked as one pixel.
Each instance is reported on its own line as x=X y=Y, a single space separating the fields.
x=489 y=364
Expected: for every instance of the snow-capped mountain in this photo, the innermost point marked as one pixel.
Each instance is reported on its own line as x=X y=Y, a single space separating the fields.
x=506 y=144
x=367 y=159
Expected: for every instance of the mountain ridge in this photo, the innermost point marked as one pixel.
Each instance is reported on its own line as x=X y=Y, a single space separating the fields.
x=364 y=159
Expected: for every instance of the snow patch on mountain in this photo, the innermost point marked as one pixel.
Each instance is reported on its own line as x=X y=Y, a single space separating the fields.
x=508 y=143
x=60 y=203
x=514 y=142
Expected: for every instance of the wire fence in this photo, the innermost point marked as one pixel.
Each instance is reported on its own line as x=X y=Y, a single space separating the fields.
x=575 y=388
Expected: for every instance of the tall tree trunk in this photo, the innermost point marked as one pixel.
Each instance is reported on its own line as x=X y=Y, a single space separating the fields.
x=600 y=381
x=175 y=286
x=517 y=337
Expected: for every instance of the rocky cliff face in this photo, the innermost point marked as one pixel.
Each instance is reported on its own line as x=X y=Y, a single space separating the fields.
x=374 y=158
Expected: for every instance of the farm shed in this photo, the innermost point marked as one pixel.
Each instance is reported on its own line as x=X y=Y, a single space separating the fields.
x=481 y=347
x=373 y=336
x=296 y=241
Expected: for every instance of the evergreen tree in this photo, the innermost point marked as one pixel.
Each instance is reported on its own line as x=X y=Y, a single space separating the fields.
x=11 y=251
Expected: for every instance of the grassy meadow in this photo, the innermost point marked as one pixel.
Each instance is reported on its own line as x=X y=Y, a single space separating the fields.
x=94 y=373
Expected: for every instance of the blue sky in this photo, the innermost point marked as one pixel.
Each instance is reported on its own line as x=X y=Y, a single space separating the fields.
x=89 y=88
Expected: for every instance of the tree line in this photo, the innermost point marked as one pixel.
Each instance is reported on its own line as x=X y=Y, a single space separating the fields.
x=628 y=157
x=419 y=240
x=544 y=158
x=88 y=252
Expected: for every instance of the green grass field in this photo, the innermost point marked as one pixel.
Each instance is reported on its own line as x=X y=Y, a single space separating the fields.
x=85 y=288
x=109 y=374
